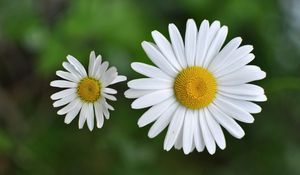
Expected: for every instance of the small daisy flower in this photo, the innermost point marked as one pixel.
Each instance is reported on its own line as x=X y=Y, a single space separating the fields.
x=196 y=86
x=86 y=93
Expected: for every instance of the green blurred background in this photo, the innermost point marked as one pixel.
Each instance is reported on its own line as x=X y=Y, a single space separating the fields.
x=35 y=37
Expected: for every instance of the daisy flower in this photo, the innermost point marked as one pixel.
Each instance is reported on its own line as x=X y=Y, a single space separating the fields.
x=86 y=93
x=196 y=87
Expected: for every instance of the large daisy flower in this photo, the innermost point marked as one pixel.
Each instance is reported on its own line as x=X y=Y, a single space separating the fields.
x=196 y=87
x=86 y=93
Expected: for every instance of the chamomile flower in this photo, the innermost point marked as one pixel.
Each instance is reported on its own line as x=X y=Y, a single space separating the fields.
x=196 y=87
x=86 y=93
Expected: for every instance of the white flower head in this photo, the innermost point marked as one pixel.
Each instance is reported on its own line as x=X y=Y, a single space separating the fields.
x=86 y=93
x=196 y=86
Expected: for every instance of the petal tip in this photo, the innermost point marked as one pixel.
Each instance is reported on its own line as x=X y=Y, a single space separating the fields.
x=211 y=152
x=190 y=20
x=51 y=83
x=133 y=65
x=241 y=135
x=144 y=43
x=150 y=135
x=154 y=32
x=186 y=152
x=223 y=146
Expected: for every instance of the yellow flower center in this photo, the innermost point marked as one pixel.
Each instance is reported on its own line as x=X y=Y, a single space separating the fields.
x=88 y=89
x=195 y=87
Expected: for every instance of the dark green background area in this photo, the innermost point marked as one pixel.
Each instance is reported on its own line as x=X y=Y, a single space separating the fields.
x=35 y=37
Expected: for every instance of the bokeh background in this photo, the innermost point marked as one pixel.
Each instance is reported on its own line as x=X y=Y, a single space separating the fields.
x=36 y=35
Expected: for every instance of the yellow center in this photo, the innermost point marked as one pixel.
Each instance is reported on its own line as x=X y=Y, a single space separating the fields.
x=88 y=89
x=195 y=87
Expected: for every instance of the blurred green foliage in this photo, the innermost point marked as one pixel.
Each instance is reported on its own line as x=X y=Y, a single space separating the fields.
x=35 y=37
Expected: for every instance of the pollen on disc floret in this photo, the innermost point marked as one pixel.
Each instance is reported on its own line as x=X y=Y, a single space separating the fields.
x=195 y=87
x=89 y=89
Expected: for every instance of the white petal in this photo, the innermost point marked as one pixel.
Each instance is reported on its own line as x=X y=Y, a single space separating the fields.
x=109 y=76
x=190 y=43
x=73 y=113
x=110 y=71
x=134 y=93
x=174 y=128
x=99 y=114
x=232 y=110
x=92 y=63
x=69 y=67
x=162 y=122
x=227 y=122
x=212 y=32
x=78 y=66
x=90 y=116
x=188 y=131
x=68 y=107
x=96 y=67
x=215 y=46
x=193 y=147
x=246 y=105
x=154 y=112
x=100 y=70
x=105 y=110
x=152 y=99
x=232 y=58
x=202 y=43
x=225 y=54
x=63 y=93
x=149 y=71
x=118 y=79
x=110 y=97
x=108 y=106
x=82 y=115
x=258 y=98
x=109 y=91
x=241 y=76
x=64 y=100
x=243 y=89
x=178 y=142
x=166 y=49
x=235 y=66
x=67 y=76
x=150 y=84
x=177 y=44
x=99 y=57
x=198 y=136
x=207 y=136
x=158 y=59
x=215 y=129
x=63 y=84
